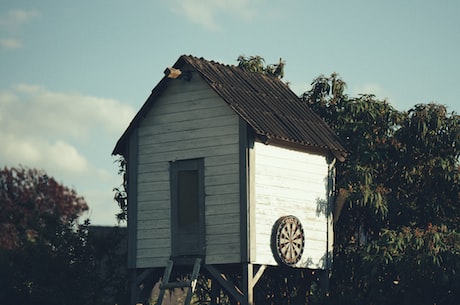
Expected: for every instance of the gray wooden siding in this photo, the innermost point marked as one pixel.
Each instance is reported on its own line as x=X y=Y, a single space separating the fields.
x=188 y=121
x=289 y=182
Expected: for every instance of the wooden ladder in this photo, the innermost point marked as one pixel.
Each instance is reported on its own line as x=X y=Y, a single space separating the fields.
x=180 y=284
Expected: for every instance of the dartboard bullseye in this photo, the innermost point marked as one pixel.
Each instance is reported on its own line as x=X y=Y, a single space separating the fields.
x=288 y=240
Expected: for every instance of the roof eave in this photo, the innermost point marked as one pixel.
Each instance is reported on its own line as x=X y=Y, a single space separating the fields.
x=341 y=155
x=120 y=147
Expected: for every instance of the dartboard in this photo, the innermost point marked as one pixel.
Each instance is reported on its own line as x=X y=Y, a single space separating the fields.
x=288 y=240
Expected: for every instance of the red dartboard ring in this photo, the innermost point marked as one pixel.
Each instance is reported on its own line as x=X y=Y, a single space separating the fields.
x=288 y=240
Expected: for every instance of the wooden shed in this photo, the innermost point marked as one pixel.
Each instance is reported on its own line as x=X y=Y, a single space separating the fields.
x=232 y=168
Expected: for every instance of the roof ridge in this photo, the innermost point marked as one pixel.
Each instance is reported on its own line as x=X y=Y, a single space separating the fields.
x=209 y=61
x=264 y=102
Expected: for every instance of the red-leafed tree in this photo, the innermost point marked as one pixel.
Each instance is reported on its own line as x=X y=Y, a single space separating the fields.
x=30 y=201
x=48 y=255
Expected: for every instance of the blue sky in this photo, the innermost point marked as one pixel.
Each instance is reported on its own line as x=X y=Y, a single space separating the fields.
x=73 y=74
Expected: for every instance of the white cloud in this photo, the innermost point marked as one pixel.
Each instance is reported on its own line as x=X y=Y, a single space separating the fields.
x=15 y=148
x=10 y=23
x=54 y=156
x=10 y=43
x=41 y=127
x=66 y=157
x=69 y=135
x=206 y=13
x=13 y=19
x=60 y=114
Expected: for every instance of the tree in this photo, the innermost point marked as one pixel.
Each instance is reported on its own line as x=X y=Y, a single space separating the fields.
x=257 y=64
x=411 y=265
x=418 y=250
x=29 y=200
x=426 y=177
x=46 y=255
x=397 y=234
x=121 y=192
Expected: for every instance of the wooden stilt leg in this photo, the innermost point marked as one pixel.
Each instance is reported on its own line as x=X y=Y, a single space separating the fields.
x=215 y=292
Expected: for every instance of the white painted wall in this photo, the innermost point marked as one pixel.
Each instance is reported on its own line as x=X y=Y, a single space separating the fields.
x=288 y=182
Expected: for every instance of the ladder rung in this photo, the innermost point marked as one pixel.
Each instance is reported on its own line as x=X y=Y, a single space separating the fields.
x=176 y=285
x=181 y=284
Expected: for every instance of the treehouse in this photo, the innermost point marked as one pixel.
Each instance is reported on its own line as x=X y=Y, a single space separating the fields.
x=229 y=171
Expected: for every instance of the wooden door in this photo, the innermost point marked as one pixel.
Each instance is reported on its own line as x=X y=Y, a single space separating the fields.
x=187 y=208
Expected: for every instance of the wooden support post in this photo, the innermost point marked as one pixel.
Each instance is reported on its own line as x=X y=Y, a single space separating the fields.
x=259 y=274
x=226 y=284
x=245 y=294
x=248 y=291
x=135 y=291
x=250 y=280
x=215 y=292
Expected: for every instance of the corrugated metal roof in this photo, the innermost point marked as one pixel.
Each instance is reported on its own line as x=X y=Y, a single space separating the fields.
x=264 y=102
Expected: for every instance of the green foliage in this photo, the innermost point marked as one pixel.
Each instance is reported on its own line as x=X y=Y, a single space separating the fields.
x=426 y=174
x=42 y=272
x=397 y=235
x=257 y=64
x=121 y=192
x=413 y=265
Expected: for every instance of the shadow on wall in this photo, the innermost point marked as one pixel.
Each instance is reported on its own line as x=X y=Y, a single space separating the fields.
x=322 y=207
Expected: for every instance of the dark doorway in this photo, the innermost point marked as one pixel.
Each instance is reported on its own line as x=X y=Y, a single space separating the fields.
x=187 y=207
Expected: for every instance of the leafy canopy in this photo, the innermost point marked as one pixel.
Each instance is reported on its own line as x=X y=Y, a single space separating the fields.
x=30 y=199
x=397 y=220
x=257 y=64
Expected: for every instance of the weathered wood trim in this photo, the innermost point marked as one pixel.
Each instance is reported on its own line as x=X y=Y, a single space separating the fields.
x=252 y=197
x=316 y=150
x=244 y=219
x=132 y=168
x=330 y=216
x=202 y=206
